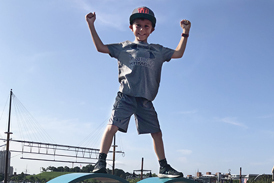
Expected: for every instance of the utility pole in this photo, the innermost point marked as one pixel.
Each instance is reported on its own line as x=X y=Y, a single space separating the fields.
x=240 y=175
x=142 y=168
x=8 y=142
x=114 y=149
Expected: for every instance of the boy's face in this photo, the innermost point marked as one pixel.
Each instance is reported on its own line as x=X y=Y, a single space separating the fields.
x=141 y=29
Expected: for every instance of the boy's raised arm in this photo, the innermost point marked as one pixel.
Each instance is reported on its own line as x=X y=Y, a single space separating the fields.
x=90 y=18
x=179 y=51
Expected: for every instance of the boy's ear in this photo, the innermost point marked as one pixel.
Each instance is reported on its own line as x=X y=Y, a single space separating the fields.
x=152 y=29
x=131 y=27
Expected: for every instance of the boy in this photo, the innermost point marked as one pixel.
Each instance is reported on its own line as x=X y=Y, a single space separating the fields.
x=140 y=66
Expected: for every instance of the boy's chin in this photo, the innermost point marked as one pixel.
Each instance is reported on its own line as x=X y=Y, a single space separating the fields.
x=141 y=40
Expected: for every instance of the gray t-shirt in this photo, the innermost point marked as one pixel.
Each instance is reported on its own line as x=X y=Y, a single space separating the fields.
x=140 y=66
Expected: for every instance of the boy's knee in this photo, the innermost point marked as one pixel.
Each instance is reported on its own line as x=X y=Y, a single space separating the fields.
x=112 y=129
x=156 y=135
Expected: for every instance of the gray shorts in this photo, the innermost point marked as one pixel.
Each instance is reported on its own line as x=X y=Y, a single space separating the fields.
x=145 y=115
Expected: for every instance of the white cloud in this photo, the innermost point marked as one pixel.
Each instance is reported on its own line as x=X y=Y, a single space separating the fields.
x=185 y=151
x=182 y=156
x=105 y=14
x=232 y=121
x=183 y=160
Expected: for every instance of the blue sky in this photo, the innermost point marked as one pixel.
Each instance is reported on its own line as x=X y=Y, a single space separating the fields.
x=215 y=105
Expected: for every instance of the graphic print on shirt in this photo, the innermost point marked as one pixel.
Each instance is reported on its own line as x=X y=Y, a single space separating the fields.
x=141 y=56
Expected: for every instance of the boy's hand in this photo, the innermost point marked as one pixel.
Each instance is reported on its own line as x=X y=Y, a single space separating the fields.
x=90 y=18
x=185 y=24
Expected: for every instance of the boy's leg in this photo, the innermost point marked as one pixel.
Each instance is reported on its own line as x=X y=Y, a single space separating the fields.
x=100 y=166
x=147 y=122
x=165 y=169
x=123 y=109
x=158 y=145
x=107 y=138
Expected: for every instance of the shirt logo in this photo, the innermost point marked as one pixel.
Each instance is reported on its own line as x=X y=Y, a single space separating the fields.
x=143 y=10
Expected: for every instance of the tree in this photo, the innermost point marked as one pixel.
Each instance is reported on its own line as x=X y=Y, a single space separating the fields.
x=76 y=169
x=120 y=173
x=134 y=180
x=1 y=177
x=44 y=169
x=14 y=178
x=52 y=168
x=32 y=179
x=66 y=169
x=37 y=179
x=87 y=168
x=21 y=177
x=60 y=169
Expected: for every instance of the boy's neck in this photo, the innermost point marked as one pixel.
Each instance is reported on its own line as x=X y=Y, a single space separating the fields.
x=143 y=42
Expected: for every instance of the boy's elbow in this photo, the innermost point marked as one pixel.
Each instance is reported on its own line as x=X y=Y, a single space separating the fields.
x=99 y=50
x=177 y=54
x=180 y=55
x=102 y=49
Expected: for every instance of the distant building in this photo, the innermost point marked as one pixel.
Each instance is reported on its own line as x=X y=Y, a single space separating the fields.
x=224 y=178
x=3 y=163
x=208 y=178
x=220 y=178
x=249 y=176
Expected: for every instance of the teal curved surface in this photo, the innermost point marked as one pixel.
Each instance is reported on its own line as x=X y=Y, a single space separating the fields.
x=77 y=177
